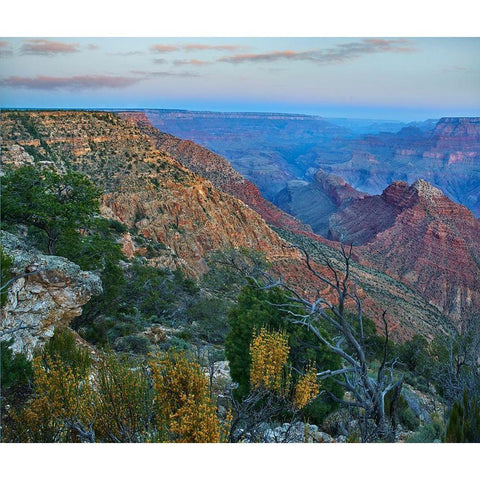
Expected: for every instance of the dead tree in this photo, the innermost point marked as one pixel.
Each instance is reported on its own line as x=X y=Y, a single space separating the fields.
x=367 y=385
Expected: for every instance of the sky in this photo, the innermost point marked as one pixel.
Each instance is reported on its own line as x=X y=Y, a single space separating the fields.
x=367 y=77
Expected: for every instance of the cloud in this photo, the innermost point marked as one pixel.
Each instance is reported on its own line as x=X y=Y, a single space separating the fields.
x=262 y=57
x=189 y=47
x=92 y=46
x=160 y=48
x=47 y=47
x=77 y=82
x=159 y=61
x=193 y=61
x=145 y=74
x=195 y=46
x=341 y=53
x=130 y=53
x=5 y=49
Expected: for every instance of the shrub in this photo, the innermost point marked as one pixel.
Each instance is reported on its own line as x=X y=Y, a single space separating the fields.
x=63 y=347
x=133 y=344
x=124 y=402
x=61 y=397
x=184 y=407
x=5 y=275
x=15 y=370
x=431 y=432
x=464 y=421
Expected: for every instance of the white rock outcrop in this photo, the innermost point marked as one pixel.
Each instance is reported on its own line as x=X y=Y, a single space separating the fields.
x=48 y=292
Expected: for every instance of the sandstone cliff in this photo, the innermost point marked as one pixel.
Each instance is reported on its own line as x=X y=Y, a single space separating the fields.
x=48 y=292
x=419 y=236
x=217 y=170
x=144 y=188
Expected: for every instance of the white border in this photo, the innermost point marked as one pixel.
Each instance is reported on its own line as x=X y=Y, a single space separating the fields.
x=240 y=18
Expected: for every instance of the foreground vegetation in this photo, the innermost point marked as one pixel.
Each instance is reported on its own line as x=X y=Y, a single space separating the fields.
x=156 y=341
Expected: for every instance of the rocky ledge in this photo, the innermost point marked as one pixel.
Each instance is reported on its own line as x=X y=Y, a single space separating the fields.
x=47 y=291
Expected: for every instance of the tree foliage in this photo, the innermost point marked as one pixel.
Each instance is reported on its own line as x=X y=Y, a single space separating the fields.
x=258 y=308
x=55 y=206
x=464 y=421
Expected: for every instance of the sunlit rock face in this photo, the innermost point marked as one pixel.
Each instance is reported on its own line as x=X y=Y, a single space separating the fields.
x=418 y=235
x=144 y=188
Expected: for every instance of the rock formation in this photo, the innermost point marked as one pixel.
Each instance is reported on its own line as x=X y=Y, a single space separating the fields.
x=448 y=157
x=48 y=291
x=419 y=236
x=144 y=188
x=314 y=202
x=217 y=170
x=187 y=216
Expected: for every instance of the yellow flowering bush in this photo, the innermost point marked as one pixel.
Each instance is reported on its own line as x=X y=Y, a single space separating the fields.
x=307 y=388
x=60 y=397
x=269 y=353
x=183 y=406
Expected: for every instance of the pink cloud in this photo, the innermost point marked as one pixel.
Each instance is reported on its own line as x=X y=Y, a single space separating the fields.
x=341 y=53
x=195 y=46
x=47 y=47
x=193 y=61
x=261 y=57
x=189 y=47
x=160 y=48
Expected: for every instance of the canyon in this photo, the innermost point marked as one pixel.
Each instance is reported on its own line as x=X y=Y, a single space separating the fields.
x=271 y=150
x=190 y=202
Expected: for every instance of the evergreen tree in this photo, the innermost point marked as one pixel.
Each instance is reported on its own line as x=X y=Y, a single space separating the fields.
x=258 y=308
x=464 y=421
x=54 y=206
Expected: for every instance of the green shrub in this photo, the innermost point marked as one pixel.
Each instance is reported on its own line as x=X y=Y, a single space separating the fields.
x=64 y=347
x=408 y=419
x=464 y=421
x=5 y=275
x=400 y=412
x=134 y=344
x=208 y=317
x=178 y=344
x=431 y=432
x=16 y=370
x=414 y=354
